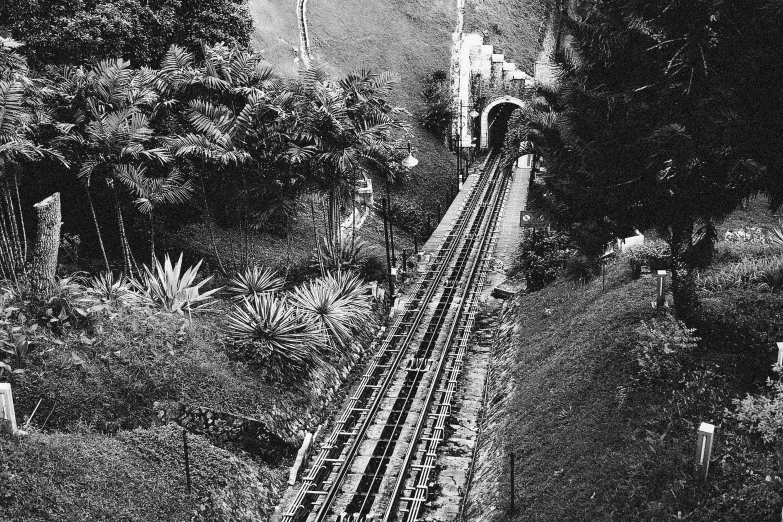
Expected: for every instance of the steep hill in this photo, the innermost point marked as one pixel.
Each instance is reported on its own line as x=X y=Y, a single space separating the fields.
x=410 y=38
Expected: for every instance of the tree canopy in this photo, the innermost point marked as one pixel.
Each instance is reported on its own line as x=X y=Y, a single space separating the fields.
x=82 y=31
x=662 y=117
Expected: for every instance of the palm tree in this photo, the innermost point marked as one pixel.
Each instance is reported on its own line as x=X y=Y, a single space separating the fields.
x=150 y=192
x=342 y=130
x=231 y=100
x=21 y=111
x=111 y=104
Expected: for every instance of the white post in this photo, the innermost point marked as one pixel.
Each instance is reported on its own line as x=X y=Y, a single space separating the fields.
x=780 y=354
x=7 y=414
x=662 y=279
x=704 y=449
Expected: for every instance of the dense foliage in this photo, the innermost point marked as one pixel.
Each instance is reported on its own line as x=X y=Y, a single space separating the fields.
x=218 y=132
x=437 y=113
x=85 y=31
x=662 y=117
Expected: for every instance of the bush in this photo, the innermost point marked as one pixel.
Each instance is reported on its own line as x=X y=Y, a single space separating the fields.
x=662 y=351
x=541 y=256
x=581 y=269
x=437 y=114
x=762 y=414
x=655 y=254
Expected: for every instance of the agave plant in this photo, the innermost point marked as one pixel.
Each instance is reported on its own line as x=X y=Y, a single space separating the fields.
x=268 y=330
x=172 y=290
x=111 y=288
x=335 y=304
x=254 y=281
x=347 y=254
x=351 y=288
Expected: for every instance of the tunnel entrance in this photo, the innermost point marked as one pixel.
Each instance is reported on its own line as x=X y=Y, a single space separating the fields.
x=494 y=120
x=498 y=123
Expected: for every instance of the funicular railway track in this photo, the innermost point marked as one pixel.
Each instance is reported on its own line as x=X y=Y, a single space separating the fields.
x=377 y=462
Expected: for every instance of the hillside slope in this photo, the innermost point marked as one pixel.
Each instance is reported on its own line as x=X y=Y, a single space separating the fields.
x=411 y=39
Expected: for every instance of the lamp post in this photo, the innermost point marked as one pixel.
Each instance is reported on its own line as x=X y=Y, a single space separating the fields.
x=391 y=262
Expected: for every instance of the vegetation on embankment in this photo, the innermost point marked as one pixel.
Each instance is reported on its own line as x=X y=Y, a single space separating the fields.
x=599 y=397
x=138 y=475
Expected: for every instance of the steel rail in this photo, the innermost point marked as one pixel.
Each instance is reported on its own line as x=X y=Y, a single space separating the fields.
x=426 y=349
x=477 y=270
x=436 y=268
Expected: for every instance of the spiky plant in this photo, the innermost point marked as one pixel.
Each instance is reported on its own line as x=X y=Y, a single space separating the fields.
x=254 y=281
x=268 y=331
x=169 y=288
x=335 y=304
x=112 y=288
x=352 y=289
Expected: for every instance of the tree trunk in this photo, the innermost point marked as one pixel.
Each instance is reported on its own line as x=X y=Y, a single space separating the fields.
x=686 y=302
x=315 y=236
x=126 y=260
x=97 y=229
x=47 y=244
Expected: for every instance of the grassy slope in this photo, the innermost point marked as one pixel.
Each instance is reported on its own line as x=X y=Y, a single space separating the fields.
x=137 y=476
x=585 y=449
x=411 y=39
x=515 y=28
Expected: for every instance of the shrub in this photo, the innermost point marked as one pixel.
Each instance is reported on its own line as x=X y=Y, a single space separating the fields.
x=764 y=273
x=267 y=331
x=167 y=288
x=337 y=304
x=109 y=288
x=581 y=269
x=762 y=414
x=437 y=114
x=252 y=282
x=541 y=256
x=653 y=253
x=663 y=349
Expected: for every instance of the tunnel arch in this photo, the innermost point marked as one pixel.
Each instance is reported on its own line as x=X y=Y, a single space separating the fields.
x=485 y=116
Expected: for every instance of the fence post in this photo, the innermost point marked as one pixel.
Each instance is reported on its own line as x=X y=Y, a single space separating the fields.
x=704 y=449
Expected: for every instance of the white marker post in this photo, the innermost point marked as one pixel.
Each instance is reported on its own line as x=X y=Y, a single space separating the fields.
x=7 y=414
x=662 y=282
x=704 y=449
x=780 y=354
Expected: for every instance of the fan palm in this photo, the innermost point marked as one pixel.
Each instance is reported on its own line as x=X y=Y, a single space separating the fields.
x=253 y=282
x=268 y=330
x=336 y=304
